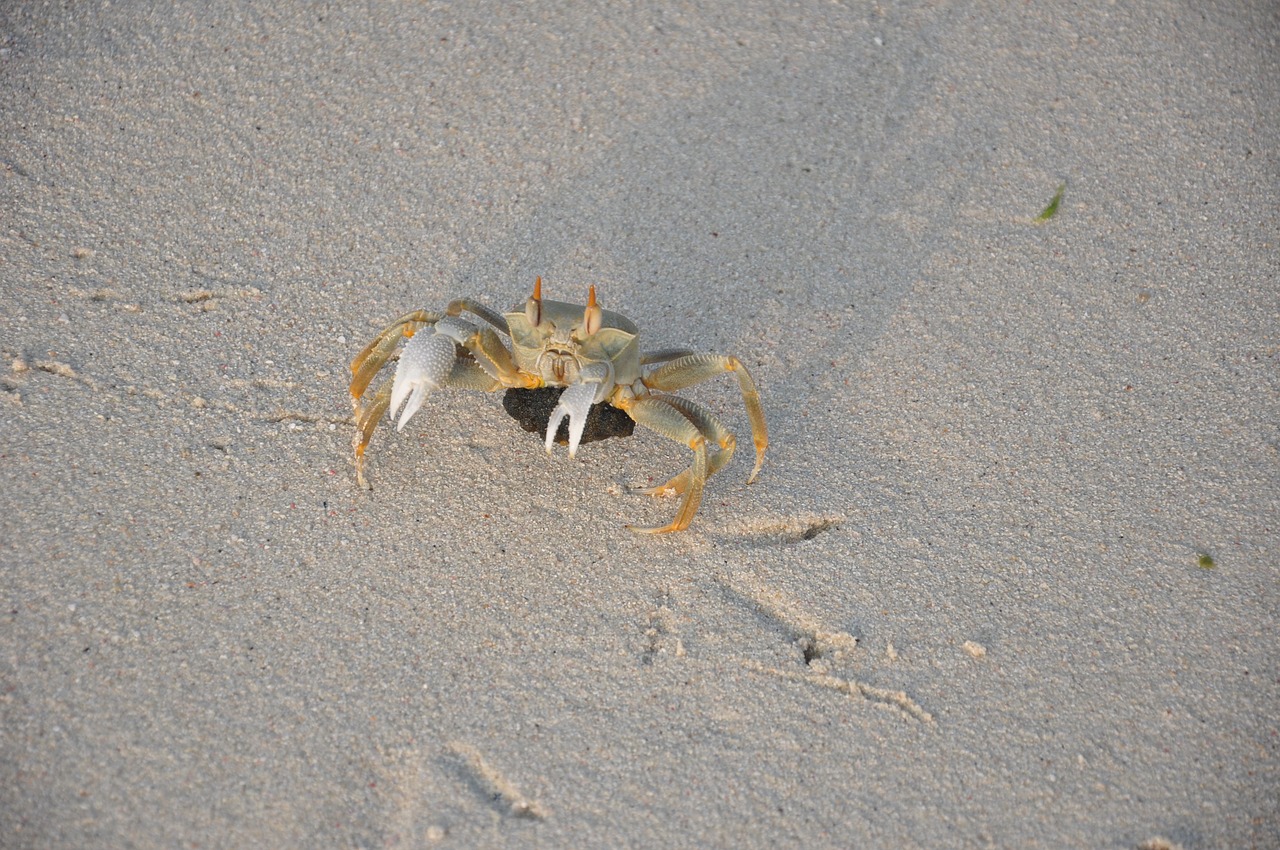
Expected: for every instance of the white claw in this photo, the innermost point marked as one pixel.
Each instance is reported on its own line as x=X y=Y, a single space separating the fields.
x=575 y=402
x=425 y=363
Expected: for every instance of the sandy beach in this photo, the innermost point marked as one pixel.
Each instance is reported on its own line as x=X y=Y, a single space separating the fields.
x=1009 y=576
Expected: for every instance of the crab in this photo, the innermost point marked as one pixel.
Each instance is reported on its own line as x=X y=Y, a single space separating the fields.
x=591 y=352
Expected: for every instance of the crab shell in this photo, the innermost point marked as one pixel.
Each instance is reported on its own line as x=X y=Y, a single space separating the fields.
x=551 y=342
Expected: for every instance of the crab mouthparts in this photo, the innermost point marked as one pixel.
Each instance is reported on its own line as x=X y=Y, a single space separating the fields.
x=558 y=365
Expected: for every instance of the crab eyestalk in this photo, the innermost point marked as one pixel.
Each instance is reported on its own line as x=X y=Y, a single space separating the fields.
x=533 y=307
x=593 y=316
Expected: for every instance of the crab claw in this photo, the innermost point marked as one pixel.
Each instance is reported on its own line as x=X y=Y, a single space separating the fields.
x=425 y=363
x=575 y=402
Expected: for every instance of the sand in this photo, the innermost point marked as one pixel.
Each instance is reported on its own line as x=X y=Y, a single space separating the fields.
x=1008 y=577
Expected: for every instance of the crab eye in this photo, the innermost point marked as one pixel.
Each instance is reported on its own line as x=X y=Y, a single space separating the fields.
x=533 y=307
x=593 y=316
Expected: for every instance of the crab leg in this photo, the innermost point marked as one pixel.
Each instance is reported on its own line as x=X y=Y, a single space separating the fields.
x=714 y=431
x=696 y=368
x=367 y=418
x=664 y=354
x=468 y=375
x=494 y=358
x=659 y=414
x=471 y=305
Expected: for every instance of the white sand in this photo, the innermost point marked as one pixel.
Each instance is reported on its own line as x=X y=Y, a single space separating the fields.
x=962 y=607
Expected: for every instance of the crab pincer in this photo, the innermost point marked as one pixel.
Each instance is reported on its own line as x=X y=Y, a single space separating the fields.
x=425 y=364
x=596 y=383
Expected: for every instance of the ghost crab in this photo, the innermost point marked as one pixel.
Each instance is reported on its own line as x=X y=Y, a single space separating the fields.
x=592 y=352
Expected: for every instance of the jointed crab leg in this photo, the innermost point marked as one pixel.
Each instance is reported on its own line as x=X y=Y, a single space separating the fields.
x=367 y=418
x=659 y=414
x=696 y=368
x=662 y=355
x=471 y=305
x=467 y=375
x=715 y=433
x=492 y=356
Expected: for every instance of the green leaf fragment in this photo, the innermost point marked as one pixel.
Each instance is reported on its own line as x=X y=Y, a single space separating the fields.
x=1052 y=210
x=1205 y=561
